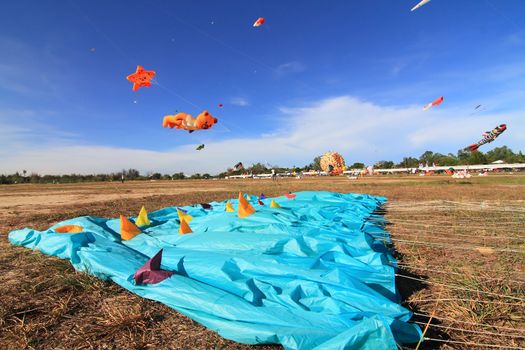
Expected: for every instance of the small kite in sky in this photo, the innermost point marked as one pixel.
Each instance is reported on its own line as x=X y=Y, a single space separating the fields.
x=477 y=107
x=220 y=105
x=200 y=147
x=141 y=78
x=259 y=22
x=150 y=272
x=185 y=121
x=93 y=49
x=488 y=137
x=419 y=5
x=436 y=102
x=238 y=167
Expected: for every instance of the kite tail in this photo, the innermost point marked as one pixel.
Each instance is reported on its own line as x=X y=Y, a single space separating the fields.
x=473 y=147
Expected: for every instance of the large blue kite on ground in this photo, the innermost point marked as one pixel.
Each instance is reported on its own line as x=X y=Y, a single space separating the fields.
x=312 y=274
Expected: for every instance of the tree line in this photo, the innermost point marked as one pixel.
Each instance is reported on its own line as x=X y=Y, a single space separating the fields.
x=461 y=158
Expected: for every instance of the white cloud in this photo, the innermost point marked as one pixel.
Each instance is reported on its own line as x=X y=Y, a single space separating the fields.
x=289 y=68
x=239 y=101
x=360 y=130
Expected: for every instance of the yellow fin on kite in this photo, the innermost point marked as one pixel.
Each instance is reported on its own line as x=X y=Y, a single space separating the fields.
x=185 y=216
x=245 y=208
x=184 y=227
x=229 y=207
x=274 y=204
x=128 y=230
x=142 y=219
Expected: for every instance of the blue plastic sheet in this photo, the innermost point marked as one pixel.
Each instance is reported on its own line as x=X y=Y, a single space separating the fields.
x=313 y=274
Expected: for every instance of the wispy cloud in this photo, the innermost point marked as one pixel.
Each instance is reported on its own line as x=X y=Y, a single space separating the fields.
x=360 y=130
x=289 y=68
x=240 y=101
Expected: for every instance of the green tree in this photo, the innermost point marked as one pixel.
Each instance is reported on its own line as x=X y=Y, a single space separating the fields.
x=357 y=166
x=384 y=164
x=409 y=162
x=316 y=164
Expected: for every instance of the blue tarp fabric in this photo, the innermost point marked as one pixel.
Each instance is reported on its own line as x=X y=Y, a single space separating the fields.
x=313 y=274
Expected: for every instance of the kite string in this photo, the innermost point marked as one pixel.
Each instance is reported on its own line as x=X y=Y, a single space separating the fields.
x=476 y=344
x=471 y=323
x=461 y=288
x=429 y=320
x=453 y=246
x=459 y=274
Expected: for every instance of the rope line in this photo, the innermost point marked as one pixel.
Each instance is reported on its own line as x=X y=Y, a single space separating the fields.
x=461 y=288
x=475 y=332
x=471 y=323
x=475 y=344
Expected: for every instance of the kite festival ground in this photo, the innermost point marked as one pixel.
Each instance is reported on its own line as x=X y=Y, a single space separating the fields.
x=460 y=243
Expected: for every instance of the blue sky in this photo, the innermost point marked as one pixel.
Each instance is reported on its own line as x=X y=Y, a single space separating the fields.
x=350 y=76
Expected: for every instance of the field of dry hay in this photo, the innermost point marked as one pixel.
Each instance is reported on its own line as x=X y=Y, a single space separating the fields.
x=460 y=244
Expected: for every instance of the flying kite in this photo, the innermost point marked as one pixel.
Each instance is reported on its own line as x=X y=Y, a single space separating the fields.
x=488 y=137
x=141 y=78
x=220 y=105
x=259 y=22
x=333 y=163
x=436 y=102
x=423 y=2
x=200 y=147
x=185 y=121
x=150 y=272
x=93 y=49
x=477 y=107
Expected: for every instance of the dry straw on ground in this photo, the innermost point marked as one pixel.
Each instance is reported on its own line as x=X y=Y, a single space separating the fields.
x=461 y=242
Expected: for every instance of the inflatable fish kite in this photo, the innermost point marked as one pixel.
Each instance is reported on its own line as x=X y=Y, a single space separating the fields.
x=141 y=78
x=200 y=147
x=420 y=4
x=436 y=102
x=488 y=137
x=185 y=121
x=259 y=22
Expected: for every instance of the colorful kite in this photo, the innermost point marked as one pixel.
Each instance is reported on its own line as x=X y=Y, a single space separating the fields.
x=150 y=272
x=185 y=121
x=200 y=147
x=259 y=22
x=436 y=102
x=419 y=5
x=141 y=78
x=488 y=137
x=332 y=163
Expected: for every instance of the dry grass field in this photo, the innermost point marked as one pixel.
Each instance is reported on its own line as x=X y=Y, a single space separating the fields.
x=460 y=245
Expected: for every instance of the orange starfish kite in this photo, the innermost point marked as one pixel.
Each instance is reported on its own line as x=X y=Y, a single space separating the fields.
x=141 y=78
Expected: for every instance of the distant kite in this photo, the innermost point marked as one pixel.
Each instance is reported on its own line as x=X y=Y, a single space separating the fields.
x=423 y=2
x=200 y=147
x=488 y=137
x=238 y=167
x=477 y=107
x=436 y=102
x=259 y=22
x=220 y=105
x=185 y=121
x=93 y=49
x=141 y=78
